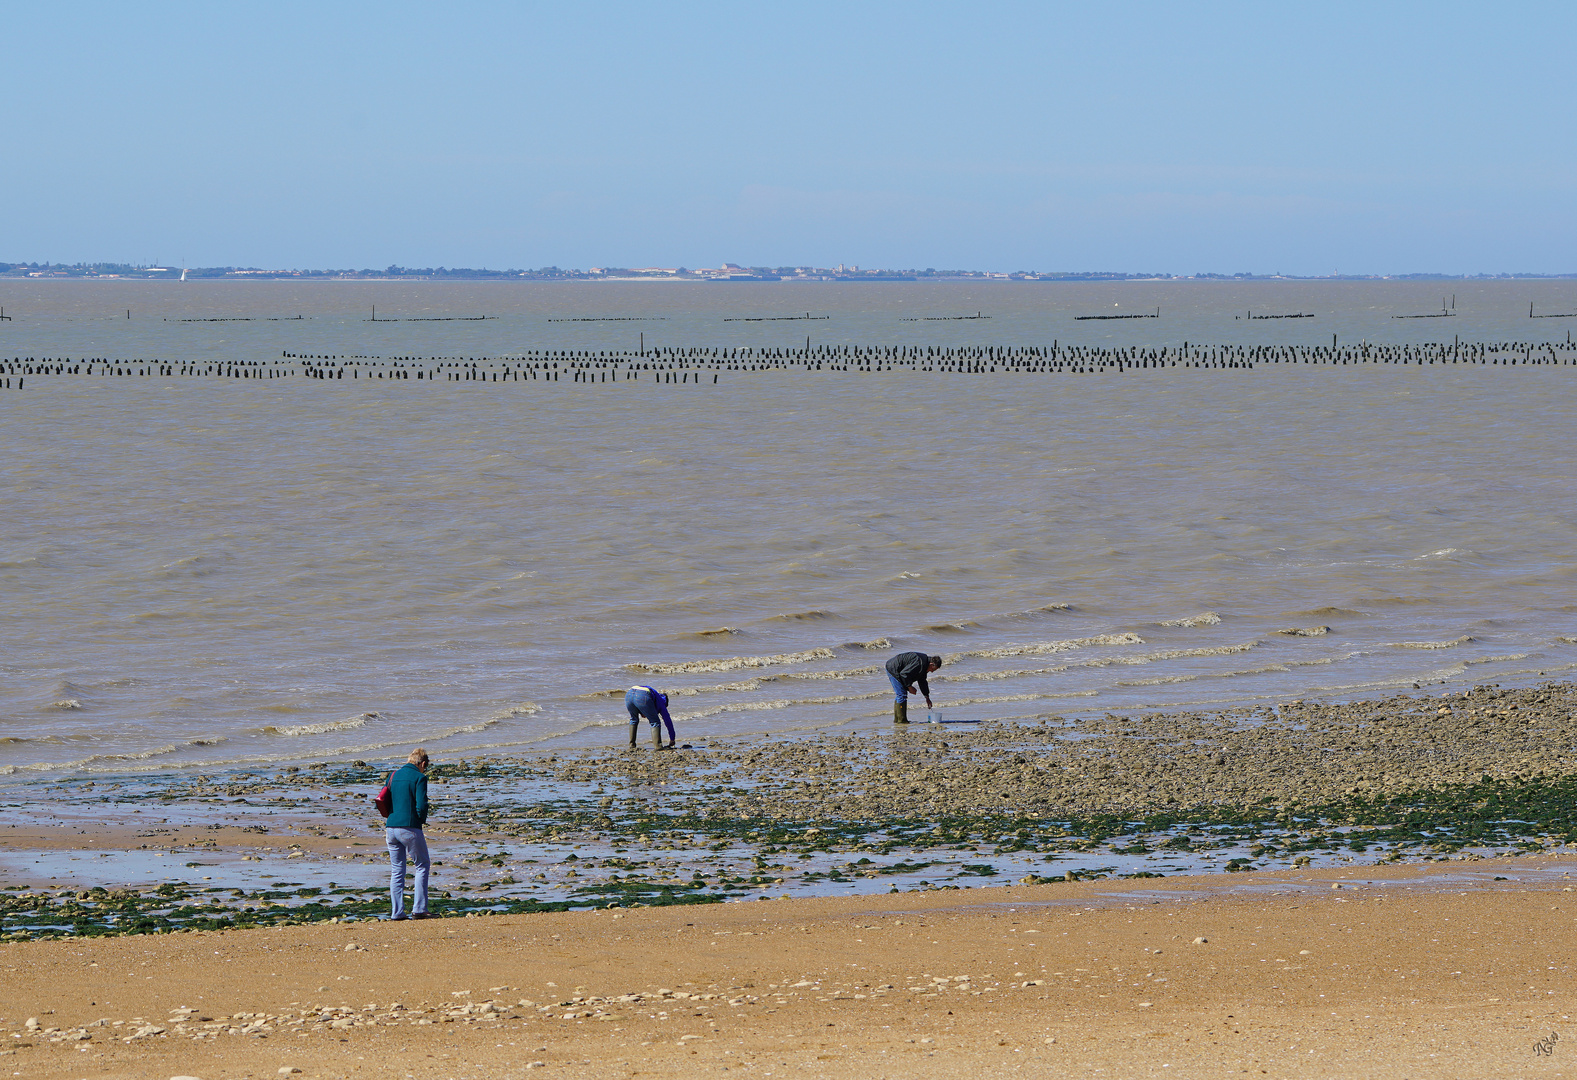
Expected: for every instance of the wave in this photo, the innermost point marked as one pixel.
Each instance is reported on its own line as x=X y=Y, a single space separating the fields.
x=806 y=616
x=953 y=627
x=1049 y=609
x=325 y=727
x=987 y=676
x=127 y=762
x=544 y=737
x=682 y=691
x=1166 y=680
x=26 y=562
x=193 y=566
x=464 y=729
x=1005 y=651
x=846 y=673
x=1329 y=613
x=67 y=704
x=778 y=703
x=999 y=698
x=1453 y=643
x=97 y=759
x=744 y=686
x=732 y=663
x=1103 y=661
x=721 y=631
x=1567 y=640
x=1267 y=669
x=68 y=688
x=869 y=646
x=53 y=740
x=1204 y=618
x=1306 y=631
x=719 y=688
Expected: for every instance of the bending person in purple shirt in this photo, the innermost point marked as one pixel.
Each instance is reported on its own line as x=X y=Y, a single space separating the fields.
x=645 y=701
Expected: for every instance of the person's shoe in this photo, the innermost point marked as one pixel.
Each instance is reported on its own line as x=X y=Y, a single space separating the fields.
x=670 y=746
x=422 y=915
x=900 y=712
x=398 y=918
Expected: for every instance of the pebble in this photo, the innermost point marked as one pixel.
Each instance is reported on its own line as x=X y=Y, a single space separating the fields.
x=1139 y=764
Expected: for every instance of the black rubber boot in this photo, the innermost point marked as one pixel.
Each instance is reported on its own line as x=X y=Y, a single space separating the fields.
x=657 y=736
x=900 y=712
x=635 y=729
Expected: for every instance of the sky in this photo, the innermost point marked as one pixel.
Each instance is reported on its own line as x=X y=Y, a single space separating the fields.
x=1142 y=137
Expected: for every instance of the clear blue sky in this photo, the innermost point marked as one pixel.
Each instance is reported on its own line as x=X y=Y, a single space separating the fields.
x=1178 y=137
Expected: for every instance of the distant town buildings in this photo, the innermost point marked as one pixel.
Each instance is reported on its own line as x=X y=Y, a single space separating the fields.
x=724 y=272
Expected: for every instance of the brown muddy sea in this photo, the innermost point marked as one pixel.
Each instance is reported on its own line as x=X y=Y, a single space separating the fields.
x=199 y=572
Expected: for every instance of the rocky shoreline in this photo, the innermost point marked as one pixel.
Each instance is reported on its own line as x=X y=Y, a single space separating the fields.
x=1405 y=778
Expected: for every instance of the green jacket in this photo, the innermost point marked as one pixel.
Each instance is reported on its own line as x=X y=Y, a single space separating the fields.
x=408 y=788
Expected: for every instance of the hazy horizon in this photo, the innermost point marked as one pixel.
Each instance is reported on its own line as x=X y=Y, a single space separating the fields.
x=398 y=270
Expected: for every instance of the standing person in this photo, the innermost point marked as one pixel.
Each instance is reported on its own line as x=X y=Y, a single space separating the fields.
x=905 y=671
x=403 y=832
x=645 y=701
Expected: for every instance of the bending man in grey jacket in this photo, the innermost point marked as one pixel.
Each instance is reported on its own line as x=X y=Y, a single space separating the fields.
x=905 y=671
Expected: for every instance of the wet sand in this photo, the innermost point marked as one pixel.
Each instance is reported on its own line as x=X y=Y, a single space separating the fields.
x=1398 y=973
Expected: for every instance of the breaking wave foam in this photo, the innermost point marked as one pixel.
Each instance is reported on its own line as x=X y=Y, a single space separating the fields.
x=732 y=663
x=1051 y=646
x=1101 y=662
x=1453 y=643
x=325 y=727
x=846 y=673
x=779 y=703
x=1205 y=618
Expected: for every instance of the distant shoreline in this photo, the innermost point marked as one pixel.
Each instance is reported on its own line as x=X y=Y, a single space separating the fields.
x=729 y=275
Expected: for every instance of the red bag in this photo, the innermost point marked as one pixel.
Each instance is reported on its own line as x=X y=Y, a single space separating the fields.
x=385 y=800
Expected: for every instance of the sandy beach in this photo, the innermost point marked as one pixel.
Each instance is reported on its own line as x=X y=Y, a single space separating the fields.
x=1398 y=972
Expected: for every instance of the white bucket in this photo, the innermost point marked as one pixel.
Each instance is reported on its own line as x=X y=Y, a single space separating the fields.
x=933 y=716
